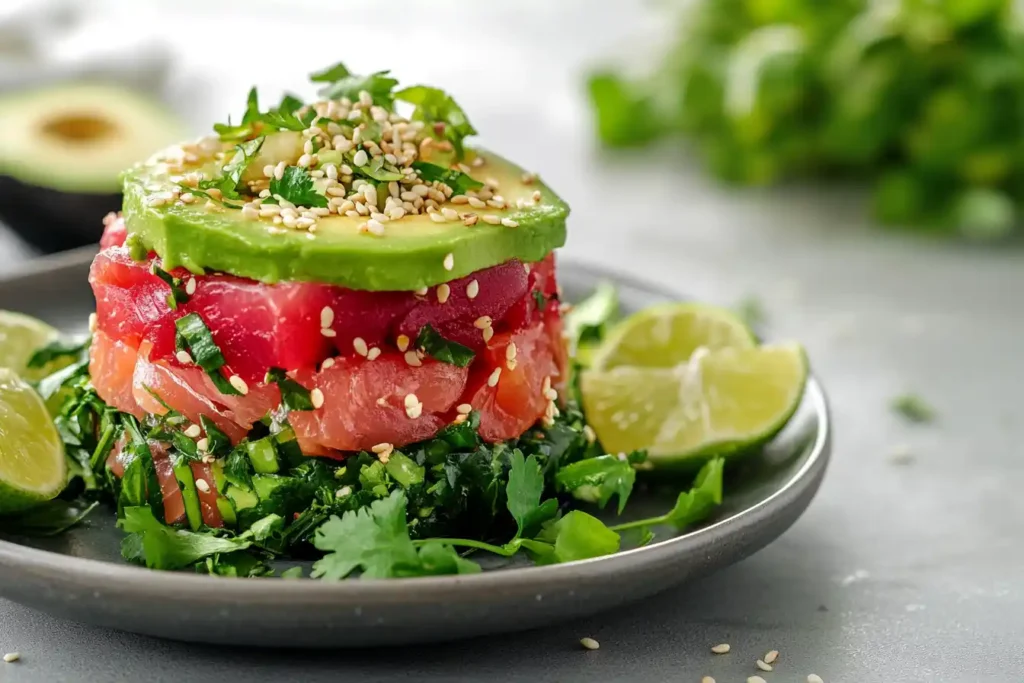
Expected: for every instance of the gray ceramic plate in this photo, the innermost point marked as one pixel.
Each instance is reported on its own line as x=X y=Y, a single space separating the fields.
x=80 y=575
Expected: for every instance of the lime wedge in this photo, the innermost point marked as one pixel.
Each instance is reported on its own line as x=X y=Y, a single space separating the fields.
x=32 y=464
x=666 y=335
x=20 y=337
x=718 y=402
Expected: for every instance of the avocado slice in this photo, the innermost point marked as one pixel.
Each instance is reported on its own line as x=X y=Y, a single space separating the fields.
x=62 y=149
x=411 y=254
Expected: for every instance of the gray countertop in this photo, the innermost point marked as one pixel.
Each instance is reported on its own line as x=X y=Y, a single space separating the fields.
x=908 y=565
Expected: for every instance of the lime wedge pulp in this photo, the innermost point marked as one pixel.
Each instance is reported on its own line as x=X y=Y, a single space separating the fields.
x=20 y=337
x=719 y=402
x=666 y=335
x=33 y=468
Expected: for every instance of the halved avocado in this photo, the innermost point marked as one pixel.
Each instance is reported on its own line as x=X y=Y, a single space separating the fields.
x=62 y=149
x=413 y=252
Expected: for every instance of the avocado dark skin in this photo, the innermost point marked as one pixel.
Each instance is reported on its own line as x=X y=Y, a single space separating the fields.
x=51 y=220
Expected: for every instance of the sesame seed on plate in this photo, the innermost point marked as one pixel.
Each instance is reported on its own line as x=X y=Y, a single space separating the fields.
x=373 y=353
x=509 y=223
x=413 y=359
x=814 y=678
x=326 y=317
x=12 y=657
x=359 y=344
x=472 y=289
x=183 y=357
x=192 y=431
x=329 y=363
x=590 y=643
x=492 y=381
x=239 y=384
x=707 y=679
x=317 y=398
x=202 y=485
x=402 y=342
x=763 y=666
x=327 y=332
x=771 y=656
x=449 y=261
x=720 y=649
x=203 y=444
x=464 y=408
x=443 y=292
x=756 y=679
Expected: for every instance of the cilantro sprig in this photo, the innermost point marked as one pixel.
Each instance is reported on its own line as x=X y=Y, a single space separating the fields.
x=457 y=180
x=195 y=337
x=296 y=186
x=439 y=348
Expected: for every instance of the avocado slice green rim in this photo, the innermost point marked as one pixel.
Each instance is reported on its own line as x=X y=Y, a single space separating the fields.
x=413 y=253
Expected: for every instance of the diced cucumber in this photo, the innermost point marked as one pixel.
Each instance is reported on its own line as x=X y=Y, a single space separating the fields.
x=241 y=498
x=404 y=470
x=227 y=511
x=263 y=456
x=266 y=483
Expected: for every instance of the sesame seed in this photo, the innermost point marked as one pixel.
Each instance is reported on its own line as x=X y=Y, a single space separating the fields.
x=707 y=679
x=477 y=203
x=413 y=359
x=469 y=220
x=375 y=227
x=450 y=214
x=510 y=351
x=551 y=395
x=460 y=199
x=360 y=158
x=373 y=353
x=472 y=289
x=756 y=679
x=279 y=170
x=359 y=344
x=93 y=320
x=317 y=398
x=488 y=332
x=413 y=407
x=464 y=409
x=420 y=190
x=492 y=219
x=459 y=419
x=536 y=196
x=329 y=363
x=509 y=223
x=327 y=332
x=763 y=666
x=588 y=434
x=483 y=322
x=343 y=492
x=12 y=657
x=590 y=643
x=443 y=292
x=202 y=485
x=492 y=381
x=183 y=357
x=771 y=656
x=239 y=384
x=326 y=317
x=203 y=444
x=422 y=291
x=528 y=178
x=402 y=342
x=449 y=261
x=383 y=451
x=193 y=431
x=717 y=649
x=437 y=217
x=814 y=678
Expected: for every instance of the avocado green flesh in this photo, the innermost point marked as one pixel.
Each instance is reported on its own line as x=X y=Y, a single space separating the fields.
x=410 y=255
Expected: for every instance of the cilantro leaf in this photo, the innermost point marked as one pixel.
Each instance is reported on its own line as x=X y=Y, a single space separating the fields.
x=524 y=490
x=229 y=132
x=296 y=186
x=376 y=541
x=596 y=480
x=380 y=86
x=434 y=105
x=330 y=74
x=692 y=505
x=231 y=173
x=178 y=294
x=576 y=536
x=162 y=547
x=285 y=116
x=377 y=169
x=294 y=396
x=457 y=180
x=443 y=350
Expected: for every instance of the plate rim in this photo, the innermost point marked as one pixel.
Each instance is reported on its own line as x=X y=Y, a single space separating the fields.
x=88 y=571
